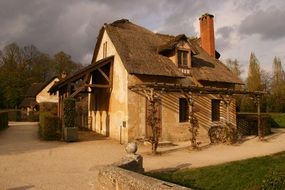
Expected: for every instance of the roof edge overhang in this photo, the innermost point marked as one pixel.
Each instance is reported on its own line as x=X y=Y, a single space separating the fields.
x=225 y=82
x=77 y=75
x=158 y=75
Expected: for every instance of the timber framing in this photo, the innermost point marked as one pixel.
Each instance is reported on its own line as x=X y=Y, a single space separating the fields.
x=80 y=80
x=98 y=75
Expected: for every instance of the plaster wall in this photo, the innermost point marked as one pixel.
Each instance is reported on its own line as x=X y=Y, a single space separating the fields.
x=112 y=120
x=44 y=95
x=172 y=129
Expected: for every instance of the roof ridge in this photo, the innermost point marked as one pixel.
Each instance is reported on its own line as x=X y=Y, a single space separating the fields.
x=120 y=21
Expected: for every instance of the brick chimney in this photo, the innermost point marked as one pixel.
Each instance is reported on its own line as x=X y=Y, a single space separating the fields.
x=207 y=33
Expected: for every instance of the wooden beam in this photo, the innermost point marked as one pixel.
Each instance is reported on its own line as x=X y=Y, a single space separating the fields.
x=111 y=74
x=68 y=89
x=98 y=85
x=104 y=75
x=77 y=91
x=85 y=92
x=87 y=77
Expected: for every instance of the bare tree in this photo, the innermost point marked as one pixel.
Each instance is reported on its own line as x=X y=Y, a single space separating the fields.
x=234 y=66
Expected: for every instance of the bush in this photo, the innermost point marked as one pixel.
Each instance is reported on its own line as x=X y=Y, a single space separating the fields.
x=276 y=180
x=69 y=112
x=49 y=128
x=3 y=120
x=223 y=134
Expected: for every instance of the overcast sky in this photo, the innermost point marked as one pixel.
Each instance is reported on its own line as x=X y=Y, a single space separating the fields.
x=241 y=27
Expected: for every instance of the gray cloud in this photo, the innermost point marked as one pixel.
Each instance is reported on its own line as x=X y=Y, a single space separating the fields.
x=72 y=25
x=248 y=4
x=269 y=24
x=225 y=31
x=68 y=25
x=223 y=40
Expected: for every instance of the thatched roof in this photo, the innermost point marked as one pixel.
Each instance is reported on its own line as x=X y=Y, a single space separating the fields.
x=137 y=48
x=140 y=51
x=172 y=42
x=28 y=102
x=34 y=89
x=207 y=68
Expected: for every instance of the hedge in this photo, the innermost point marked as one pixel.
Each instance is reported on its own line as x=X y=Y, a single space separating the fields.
x=14 y=115
x=69 y=111
x=49 y=128
x=3 y=120
x=49 y=107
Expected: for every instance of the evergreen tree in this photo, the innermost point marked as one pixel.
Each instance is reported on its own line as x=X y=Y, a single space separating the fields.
x=277 y=101
x=254 y=74
x=253 y=83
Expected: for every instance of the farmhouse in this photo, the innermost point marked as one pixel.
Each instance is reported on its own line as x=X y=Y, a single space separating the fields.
x=132 y=66
x=37 y=93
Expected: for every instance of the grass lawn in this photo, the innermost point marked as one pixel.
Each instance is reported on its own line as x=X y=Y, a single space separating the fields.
x=279 y=118
x=246 y=174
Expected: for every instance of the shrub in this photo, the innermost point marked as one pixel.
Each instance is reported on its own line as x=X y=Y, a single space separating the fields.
x=69 y=112
x=49 y=107
x=41 y=123
x=275 y=180
x=3 y=120
x=50 y=129
x=49 y=126
x=223 y=134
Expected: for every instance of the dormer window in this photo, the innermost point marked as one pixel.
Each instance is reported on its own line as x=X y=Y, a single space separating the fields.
x=182 y=57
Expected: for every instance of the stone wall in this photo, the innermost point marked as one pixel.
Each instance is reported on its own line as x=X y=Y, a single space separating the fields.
x=126 y=175
x=115 y=178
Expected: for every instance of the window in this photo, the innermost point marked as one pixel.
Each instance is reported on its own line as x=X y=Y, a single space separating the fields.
x=183 y=110
x=215 y=110
x=182 y=58
x=105 y=49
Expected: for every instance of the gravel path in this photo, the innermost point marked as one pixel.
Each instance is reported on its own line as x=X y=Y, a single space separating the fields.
x=28 y=163
x=216 y=154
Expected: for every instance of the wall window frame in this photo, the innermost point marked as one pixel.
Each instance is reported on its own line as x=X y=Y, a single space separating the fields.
x=183 y=58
